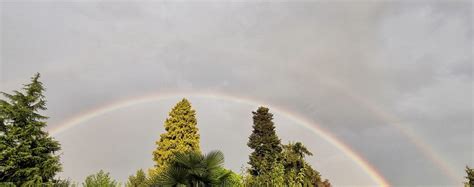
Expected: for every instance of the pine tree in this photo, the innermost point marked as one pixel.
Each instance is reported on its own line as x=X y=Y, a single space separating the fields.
x=181 y=136
x=27 y=152
x=264 y=142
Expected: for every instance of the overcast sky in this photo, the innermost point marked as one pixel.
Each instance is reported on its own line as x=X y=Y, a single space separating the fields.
x=358 y=68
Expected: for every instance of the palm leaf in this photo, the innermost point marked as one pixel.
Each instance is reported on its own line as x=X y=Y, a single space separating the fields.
x=214 y=159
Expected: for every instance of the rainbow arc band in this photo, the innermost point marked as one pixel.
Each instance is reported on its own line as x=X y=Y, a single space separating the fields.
x=315 y=128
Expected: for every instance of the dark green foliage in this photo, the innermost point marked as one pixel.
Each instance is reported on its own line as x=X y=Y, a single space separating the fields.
x=101 y=179
x=28 y=154
x=228 y=178
x=273 y=177
x=264 y=142
x=469 y=177
x=274 y=164
x=137 y=180
x=195 y=169
x=294 y=154
x=297 y=170
x=63 y=183
x=7 y=184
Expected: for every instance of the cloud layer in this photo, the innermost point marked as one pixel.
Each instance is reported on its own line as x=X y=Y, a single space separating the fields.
x=340 y=64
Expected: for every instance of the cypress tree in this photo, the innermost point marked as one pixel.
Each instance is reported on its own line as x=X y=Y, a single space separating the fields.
x=264 y=142
x=27 y=152
x=181 y=136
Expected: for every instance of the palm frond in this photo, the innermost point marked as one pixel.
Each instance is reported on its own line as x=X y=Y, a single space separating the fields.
x=214 y=159
x=173 y=176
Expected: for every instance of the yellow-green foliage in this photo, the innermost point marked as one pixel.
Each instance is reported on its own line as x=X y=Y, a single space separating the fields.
x=181 y=136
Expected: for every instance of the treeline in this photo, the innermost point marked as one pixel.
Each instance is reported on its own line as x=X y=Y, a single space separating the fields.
x=29 y=156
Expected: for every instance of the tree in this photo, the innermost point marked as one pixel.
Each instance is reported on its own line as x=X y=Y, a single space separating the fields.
x=273 y=177
x=297 y=170
x=264 y=142
x=181 y=136
x=324 y=183
x=195 y=169
x=229 y=178
x=293 y=155
x=137 y=180
x=469 y=177
x=101 y=179
x=63 y=183
x=27 y=152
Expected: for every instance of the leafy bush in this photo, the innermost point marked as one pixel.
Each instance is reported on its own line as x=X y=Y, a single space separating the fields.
x=101 y=179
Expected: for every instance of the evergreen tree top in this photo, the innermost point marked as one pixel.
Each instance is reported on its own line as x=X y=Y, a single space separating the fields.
x=264 y=142
x=183 y=103
x=32 y=97
x=181 y=135
x=28 y=152
x=263 y=111
x=181 y=108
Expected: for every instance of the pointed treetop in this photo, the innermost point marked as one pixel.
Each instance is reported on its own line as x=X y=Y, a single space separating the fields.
x=264 y=142
x=262 y=110
x=24 y=139
x=184 y=101
x=182 y=135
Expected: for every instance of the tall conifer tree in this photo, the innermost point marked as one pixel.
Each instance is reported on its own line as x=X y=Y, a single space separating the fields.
x=181 y=136
x=264 y=142
x=27 y=152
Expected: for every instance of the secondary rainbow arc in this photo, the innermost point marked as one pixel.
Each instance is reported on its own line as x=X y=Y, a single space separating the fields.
x=392 y=120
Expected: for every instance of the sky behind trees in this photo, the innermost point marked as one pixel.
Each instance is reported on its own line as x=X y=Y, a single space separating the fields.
x=340 y=64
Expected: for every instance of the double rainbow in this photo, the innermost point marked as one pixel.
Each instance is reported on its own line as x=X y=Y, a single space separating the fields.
x=304 y=122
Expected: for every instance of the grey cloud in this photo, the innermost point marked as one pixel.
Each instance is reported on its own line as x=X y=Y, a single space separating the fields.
x=323 y=60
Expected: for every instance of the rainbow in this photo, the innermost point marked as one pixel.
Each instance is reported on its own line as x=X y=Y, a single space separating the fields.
x=395 y=122
x=315 y=128
x=422 y=146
